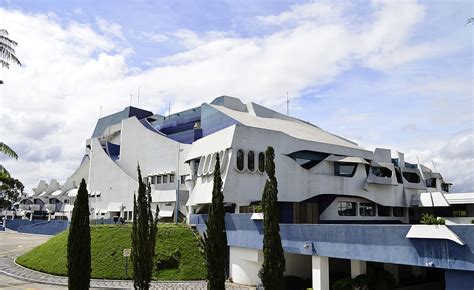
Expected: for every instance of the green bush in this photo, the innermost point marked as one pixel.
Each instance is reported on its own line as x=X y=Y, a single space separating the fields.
x=343 y=284
x=472 y=221
x=168 y=260
x=429 y=219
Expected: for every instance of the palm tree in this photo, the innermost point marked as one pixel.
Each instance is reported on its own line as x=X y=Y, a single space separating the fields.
x=7 y=51
x=7 y=54
x=5 y=149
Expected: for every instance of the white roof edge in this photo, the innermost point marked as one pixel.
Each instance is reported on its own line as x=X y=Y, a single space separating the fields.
x=460 y=198
x=433 y=232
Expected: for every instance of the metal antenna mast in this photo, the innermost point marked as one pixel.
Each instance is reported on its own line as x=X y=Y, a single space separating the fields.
x=131 y=95
x=287 y=105
x=138 y=96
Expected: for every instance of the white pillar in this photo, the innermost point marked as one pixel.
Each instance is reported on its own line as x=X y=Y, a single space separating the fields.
x=320 y=273
x=358 y=267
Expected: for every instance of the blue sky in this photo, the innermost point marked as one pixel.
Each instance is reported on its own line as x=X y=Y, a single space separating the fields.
x=394 y=74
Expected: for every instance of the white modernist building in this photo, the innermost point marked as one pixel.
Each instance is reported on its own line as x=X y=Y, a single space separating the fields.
x=322 y=179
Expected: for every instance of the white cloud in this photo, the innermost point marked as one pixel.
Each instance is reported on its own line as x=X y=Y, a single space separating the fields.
x=109 y=27
x=155 y=37
x=454 y=159
x=52 y=102
x=313 y=11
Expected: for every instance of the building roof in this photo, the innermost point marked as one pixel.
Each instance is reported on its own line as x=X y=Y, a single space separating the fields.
x=254 y=115
x=116 y=118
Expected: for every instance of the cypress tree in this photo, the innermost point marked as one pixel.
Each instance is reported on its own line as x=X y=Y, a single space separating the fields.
x=79 y=242
x=273 y=266
x=215 y=239
x=144 y=230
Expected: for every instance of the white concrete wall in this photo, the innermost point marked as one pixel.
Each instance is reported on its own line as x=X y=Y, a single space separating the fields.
x=244 y=265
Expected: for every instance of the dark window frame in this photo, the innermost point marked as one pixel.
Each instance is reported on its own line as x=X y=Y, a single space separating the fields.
x=158 y=179
x=240 y=158
x=397 y=210
x=342 y=208
x=381 y=171
x=411 y=177
x=251 y=161
x=363 y=211
x=261 y=162
x=382 y=209
x=337 y=168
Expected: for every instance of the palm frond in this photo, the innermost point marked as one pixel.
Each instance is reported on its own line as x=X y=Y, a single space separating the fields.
x=4 y=63
x=8 y=41
x=5 y=149
x=7 y=55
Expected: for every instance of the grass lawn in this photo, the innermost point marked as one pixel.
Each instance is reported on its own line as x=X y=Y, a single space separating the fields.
x=108 y=242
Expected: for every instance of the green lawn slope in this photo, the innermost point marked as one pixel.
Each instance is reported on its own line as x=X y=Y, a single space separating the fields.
x=177 y=247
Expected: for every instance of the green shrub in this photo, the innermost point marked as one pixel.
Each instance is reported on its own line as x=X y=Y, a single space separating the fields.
x=168 y=260
x=257 y=208
x=429 y=219
x=343 y=284
x=472 y=221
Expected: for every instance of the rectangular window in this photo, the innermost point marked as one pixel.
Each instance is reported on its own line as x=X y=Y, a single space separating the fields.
x=171 y=178
x=367 y=209
x=158 y=179
x=165 y=178
x=153 y=180
x=383 y=210
x=183 y=179
x=344 y=169
x=398 y=212
x=431 y=182
x=168 y=203
x=346 y=208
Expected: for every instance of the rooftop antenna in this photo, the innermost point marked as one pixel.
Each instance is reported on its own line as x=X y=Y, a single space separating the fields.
x=419 y=167
x=131 y=95
x=169 y=108
x=138 y=96
x=434 y=167
x=287 y=105
x=100 y=112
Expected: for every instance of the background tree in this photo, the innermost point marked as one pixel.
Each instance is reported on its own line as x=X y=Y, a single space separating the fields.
x=79 y=242
x=144 y=230
x=273 y=266
x=11 y=189
x=215 y=239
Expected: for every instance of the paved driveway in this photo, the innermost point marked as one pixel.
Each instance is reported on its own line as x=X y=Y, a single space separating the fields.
x=15 y=244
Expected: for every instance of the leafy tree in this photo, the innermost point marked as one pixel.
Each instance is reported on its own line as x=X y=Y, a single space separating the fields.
x=5 y=149
x=79 y=242
x=144 y=230
x=10 y=189
x=215 y=239
x=273 y=266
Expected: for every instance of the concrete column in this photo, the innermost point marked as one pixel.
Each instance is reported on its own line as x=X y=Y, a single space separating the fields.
x=358 y=267
x=320 y=273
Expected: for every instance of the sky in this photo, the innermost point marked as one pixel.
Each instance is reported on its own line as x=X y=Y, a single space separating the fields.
x=390 y=74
